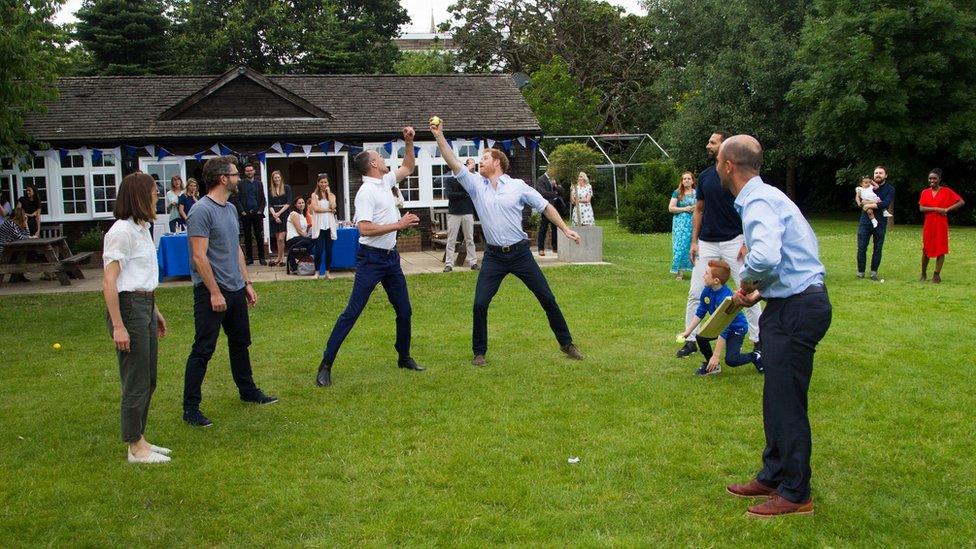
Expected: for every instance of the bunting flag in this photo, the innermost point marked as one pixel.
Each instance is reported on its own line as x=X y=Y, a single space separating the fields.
x=276 y=146
x=131 y=151
x=307 y=149
x=224 y=151
x=337 y=146
x=533 y=144
x=199 y=156
x=162 y=153
x=216 y=148
x=388 y=147
x=507 y=145
x=477 y=142
x=521 y=141
x=289 y=147
x=325 y=145
x=96 y=156
x=491 y=143
x=262 y=156
x=151 y=149
x=354 y=149
x=416 y=151
x=63 y=153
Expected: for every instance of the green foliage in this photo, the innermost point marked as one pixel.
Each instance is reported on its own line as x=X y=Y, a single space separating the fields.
x=644 y=201
x=562 y=106
x=300 y=36
x=436 y=61
x=31 y=44
x=90 y=240
x=125 y=37
x=409 y=231
x=534 y=220
x=569 y=159
x=891 y=83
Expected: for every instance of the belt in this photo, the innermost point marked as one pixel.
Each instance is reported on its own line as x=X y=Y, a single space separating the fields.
x=378 y=250
x=510 y=248
x=139 y=293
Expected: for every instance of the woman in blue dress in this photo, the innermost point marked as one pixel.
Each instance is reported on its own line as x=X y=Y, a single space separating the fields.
x=681 y=207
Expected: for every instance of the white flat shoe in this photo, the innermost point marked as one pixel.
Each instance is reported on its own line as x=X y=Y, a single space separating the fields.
x=160 y=450
x=153 y=457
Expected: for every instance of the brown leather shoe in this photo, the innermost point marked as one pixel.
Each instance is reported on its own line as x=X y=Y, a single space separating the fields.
x=751 y=489
x=572 y=351
x=778 y=506
x=479 y=360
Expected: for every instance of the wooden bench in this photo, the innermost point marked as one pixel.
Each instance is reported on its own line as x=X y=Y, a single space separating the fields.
x=50 y=256
x=55 y=230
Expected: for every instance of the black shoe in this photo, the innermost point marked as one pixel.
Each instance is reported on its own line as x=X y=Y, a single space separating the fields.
x=410 y=364
x=758 y=361
x=757 y=346
x=196 y=418
x=249 y=262
x=260 y=398
x=703 y=370
x=687 y=350
x=474 y=267
x=263 y=262
x=448 y=268
x=324 y=377
x=874 y=277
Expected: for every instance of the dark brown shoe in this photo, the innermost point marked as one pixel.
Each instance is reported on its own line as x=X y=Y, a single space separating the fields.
x=572 y=351
x=479 y=360
x=751 y=489
x=777 y=506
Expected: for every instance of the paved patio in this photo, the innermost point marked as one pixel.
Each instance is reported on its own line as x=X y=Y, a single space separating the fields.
x=412 y=262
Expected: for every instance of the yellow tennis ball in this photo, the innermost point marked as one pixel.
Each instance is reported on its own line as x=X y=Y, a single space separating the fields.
x=435 y=120
x=56 y=345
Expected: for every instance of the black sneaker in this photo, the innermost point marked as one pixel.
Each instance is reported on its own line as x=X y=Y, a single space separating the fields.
x=474 y=267
x=874 y=277
x=687 y=350
x=703 y=370
x=757 y=361
x=860 y=275
x=757 y=346
x=196 y=418
x=324 y=376
x=448 y=268
x=260 y=398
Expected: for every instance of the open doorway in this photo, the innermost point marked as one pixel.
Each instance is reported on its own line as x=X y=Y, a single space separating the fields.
x=302 y=172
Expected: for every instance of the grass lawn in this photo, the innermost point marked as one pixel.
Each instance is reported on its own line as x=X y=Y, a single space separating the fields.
x=463 y=456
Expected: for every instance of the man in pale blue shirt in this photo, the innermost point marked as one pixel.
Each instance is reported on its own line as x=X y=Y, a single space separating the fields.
x=782 y=267
x=499 y=200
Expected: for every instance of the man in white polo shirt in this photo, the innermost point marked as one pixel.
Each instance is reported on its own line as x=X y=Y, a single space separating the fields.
x=377 y=261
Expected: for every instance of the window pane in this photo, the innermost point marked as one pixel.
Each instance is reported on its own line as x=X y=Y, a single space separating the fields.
x=38 y=163
x=7 y=190
x=103 y=191
x=39 y=183
x=441 y=176
x=106 y=161
x=73 y=194
x=410 y=187
x=72 y=161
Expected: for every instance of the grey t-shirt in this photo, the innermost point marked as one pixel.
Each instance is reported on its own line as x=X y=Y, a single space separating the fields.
x=219 y=224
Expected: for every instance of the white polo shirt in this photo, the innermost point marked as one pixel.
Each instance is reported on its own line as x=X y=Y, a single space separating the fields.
x=132 y=246
x=375 y=202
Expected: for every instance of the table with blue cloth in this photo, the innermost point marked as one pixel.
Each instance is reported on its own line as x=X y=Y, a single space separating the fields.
x=344 y=250
x=173 y=256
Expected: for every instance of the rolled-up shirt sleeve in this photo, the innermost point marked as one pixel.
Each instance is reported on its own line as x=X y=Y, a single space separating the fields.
x=116 y=247
x=364 y=206
x=468 y=180
x=766 y=229
x=534 y=199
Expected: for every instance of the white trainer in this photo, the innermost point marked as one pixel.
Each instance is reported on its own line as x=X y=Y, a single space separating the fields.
x=160 y=450
x=153 y=457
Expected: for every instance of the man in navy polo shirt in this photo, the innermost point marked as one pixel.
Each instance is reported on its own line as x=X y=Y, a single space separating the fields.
x=716 y=234
x=377 y=261
x=867 y=231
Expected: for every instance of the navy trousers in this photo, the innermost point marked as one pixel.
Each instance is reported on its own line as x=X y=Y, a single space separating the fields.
x=494 y=267
x=374 y=267
x=733 y=349
x=791 y=328
x=865 y=232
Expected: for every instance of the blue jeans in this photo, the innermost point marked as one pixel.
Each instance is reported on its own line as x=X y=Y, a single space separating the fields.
x=323 y=251
x=374 y=267
x=494 y=267
x=864 y=232
x=733 y=349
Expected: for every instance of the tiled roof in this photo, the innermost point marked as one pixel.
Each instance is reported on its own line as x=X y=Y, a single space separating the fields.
x=115 y=108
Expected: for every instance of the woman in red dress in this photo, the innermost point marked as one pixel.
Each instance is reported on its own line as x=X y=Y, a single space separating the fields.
x=935 y=203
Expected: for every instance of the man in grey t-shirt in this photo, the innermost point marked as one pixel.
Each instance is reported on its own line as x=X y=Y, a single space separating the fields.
x=222 y=290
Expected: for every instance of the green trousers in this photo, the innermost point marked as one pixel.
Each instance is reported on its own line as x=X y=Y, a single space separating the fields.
x=137 y=368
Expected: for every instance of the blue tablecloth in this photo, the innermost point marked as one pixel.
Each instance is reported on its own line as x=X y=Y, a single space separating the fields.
x=344 y=250
x=173 y=256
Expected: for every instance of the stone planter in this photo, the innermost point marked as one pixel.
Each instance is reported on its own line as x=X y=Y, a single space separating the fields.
x=590 y=249
x=533 y=236
x=409 y=243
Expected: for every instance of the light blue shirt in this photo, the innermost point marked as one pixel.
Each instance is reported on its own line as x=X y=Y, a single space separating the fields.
x=500 y=209
x=783 y=258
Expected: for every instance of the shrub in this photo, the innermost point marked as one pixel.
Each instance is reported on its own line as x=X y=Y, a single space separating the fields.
x=533 y=222
x=90 y=240
x=568 y=160
x=644 y=201
x=409 y=231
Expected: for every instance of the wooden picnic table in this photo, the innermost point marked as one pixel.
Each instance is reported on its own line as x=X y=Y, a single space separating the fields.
x=50 y=255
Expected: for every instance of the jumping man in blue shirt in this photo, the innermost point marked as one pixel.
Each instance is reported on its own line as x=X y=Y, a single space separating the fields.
x=782 y=267
x=499 y=200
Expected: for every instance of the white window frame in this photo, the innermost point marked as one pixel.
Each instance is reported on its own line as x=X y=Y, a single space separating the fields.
x=49 y=184
x=74 y=171
x=424 y=166
x=11 y=175
x=115 y=171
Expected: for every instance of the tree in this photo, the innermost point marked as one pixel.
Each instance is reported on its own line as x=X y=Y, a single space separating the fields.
x=891 y=83
x=279 y=36
x=434 y=61
x=562 y=106
x=125 y=37
x=644 y=202
x=568 y=160
x=32 y=54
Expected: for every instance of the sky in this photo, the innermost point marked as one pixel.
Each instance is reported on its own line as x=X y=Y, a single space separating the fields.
x=419 y=11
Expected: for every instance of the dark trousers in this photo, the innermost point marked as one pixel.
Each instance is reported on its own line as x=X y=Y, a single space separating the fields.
x=372 y=268
x=791 y=329
x=174 y=223
x=547 y=226
x=137 y=368
x=207 y=323
x=296 y=245
x=323 y=248
x=866 y=231
x=733 y=349
x=253 y=224
x=494 y=267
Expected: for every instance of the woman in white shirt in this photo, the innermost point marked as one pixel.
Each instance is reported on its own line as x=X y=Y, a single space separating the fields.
x=173 y=203
x=323 y=206
x=131 y=277
x=296 y=228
